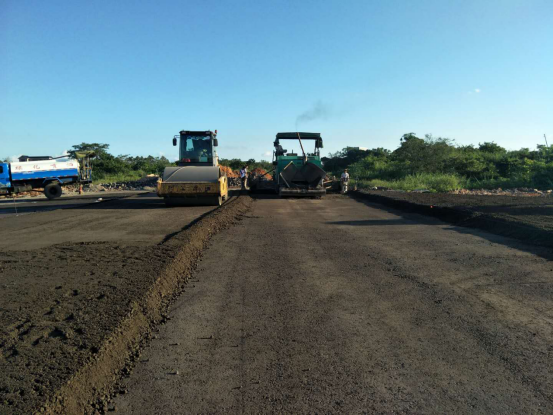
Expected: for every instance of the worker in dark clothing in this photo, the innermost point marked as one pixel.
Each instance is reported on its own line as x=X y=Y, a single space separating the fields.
x=244 y=176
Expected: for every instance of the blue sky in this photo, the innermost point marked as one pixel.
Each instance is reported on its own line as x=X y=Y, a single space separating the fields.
x=134 y=73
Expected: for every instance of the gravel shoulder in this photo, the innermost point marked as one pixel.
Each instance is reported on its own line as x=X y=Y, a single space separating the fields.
x=527 y=218
x=81 y=288
x=340 y=306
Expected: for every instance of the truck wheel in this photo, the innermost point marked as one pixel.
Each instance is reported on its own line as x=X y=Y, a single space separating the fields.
x=52 y=190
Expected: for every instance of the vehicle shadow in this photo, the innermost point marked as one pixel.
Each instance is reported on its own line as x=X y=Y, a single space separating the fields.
x=21 y=206
x=264 y=194
x=149 y=201
x=103 y=202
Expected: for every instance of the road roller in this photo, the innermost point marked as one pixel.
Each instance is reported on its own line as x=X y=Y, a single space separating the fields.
x=198 y=179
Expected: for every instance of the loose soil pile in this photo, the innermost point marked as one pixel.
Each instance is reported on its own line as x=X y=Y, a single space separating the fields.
x=258 y=171
x=72 y=315
x=526 y=218
x=229 y=172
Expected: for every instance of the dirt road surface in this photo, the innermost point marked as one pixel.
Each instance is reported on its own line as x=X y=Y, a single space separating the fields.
x=39 y=204
x=535 y=213
x=340 y=306
x=141 y=219
x=69 y=277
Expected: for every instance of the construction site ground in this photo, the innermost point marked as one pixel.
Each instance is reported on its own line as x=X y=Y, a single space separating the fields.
x=270 y=305
x=528 y=217
x=33 y=204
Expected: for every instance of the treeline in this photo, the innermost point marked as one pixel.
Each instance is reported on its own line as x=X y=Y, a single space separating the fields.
x=237 y=164
x=439 y=164
x=418 y=163
x=109 y=168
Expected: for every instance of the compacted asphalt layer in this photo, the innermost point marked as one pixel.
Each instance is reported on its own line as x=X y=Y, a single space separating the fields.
x=338 y=305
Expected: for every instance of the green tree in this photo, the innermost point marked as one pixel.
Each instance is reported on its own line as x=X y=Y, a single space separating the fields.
x=491 y=147
x=101 y=150
x=411 y=153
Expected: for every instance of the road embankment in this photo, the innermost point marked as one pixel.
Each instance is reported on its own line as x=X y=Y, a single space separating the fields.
x=529 y=219
x=75 y=314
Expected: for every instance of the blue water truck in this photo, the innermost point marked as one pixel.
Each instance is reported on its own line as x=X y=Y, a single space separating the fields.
x=44 y=172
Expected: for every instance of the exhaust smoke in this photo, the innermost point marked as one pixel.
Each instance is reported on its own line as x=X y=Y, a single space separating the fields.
x=320 y=110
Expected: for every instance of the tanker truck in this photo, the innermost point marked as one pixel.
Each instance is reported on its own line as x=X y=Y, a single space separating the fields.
x=44 y=172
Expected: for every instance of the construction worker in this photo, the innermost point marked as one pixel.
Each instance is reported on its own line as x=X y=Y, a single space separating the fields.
x=244 y=176
x=344 y=180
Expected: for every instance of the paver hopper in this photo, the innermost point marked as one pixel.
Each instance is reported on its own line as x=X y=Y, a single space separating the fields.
x=294 y=175
x=198 y=179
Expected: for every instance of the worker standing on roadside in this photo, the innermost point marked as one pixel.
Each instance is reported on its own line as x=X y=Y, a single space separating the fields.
x=244 y=176
x=344 y=180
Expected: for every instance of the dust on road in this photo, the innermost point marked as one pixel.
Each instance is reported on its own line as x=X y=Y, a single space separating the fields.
x=337 y=306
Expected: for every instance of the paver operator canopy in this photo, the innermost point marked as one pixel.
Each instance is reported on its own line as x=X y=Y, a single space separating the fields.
x=279 y=151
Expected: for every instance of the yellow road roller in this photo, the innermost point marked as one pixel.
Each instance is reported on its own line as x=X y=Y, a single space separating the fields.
x=197 y=180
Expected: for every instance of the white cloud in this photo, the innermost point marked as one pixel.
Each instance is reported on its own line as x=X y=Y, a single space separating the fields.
x=268 y=154
x=477 y=90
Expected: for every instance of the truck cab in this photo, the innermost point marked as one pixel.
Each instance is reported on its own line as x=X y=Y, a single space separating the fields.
x=5 y=183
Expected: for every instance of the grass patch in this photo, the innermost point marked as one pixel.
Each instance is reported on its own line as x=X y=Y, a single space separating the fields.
x=432 y=182
x=118 y=178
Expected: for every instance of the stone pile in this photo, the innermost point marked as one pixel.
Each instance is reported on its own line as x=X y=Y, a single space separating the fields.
x=148 y=183
x=234 y=182
x=522 y=191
